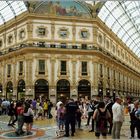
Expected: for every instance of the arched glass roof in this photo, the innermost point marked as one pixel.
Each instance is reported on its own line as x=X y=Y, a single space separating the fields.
x=10 y=9
x=123 y=18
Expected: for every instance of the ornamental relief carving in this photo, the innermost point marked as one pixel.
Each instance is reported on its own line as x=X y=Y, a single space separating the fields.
x=10 y=39
x=42 y=31
x=65 y=57
x=84 y=34
x=100 y=38
x=63 y=33
x=22 y=33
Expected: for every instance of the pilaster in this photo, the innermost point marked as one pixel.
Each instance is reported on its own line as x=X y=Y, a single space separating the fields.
x=95 y=81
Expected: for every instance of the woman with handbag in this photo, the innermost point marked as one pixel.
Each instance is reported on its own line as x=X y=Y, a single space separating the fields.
x=28 y=118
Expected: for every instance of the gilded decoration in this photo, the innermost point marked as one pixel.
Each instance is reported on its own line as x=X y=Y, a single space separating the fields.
x=84 y=34
x=63 y=8
x=63 y=33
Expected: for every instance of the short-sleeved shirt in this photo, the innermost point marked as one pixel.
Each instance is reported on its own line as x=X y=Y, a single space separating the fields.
x=71 y=109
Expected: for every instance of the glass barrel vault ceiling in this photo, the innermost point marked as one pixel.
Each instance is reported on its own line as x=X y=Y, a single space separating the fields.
x=123 y=18
x=10 y=9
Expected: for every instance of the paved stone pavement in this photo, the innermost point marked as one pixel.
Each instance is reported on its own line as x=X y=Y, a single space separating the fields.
x=46 y=130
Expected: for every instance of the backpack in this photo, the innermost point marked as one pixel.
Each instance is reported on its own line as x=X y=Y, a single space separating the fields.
x=132 y=115
x=101 y=121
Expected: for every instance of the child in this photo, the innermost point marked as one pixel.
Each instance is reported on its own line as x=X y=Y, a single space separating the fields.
x=60 y=117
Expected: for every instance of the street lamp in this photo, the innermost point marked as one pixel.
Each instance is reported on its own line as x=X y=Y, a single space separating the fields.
x=100 y=90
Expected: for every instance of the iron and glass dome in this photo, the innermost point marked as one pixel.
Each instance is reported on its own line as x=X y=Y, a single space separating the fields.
x=123 y=18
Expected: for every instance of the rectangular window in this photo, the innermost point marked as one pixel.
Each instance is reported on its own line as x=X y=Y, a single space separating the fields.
x=63 y=68
x=108 y=72
x=10 y=39
x=52 y=46
x=118 y=52
x=101 y=70
x=41 y=66
x=0 y=43
x=119 y=77
x=114 y=49
x=20 y=67
x=84 y=46
x=8 y=70
x=41 y=44
x=63 y=45
x=74 y=47
x=84 y=68
x=114 y=74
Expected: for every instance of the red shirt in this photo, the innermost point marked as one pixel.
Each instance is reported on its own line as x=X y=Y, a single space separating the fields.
x=20 y=110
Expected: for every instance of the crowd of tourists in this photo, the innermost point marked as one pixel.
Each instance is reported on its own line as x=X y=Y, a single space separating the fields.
x=105 y=116
x=24 y=112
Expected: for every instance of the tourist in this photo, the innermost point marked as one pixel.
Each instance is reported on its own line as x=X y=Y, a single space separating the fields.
x=101 y=116
x=15 y=113
x=40 y=112
x=60 y=117
x=20 y=120
x=50 y=105
x=45 y=107
x=11 y=113
x=134 y=120
x=109 y=105
x=70 y=114
x=137 y=114
x=90 y=109
x=118 y=118
x=28 y=118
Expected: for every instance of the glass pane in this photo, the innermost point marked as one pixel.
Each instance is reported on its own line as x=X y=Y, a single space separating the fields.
x=104 y=13
x=135 y=49
x=3 y=4
x=117 y=12
x=16 y=8
x=110 y=20
x=1 y=20
x=125 y=38
x=121 y=33
x=116 y=27
x=131 y=31
x=128 y=42
x=123 y=19
x=111 y=5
